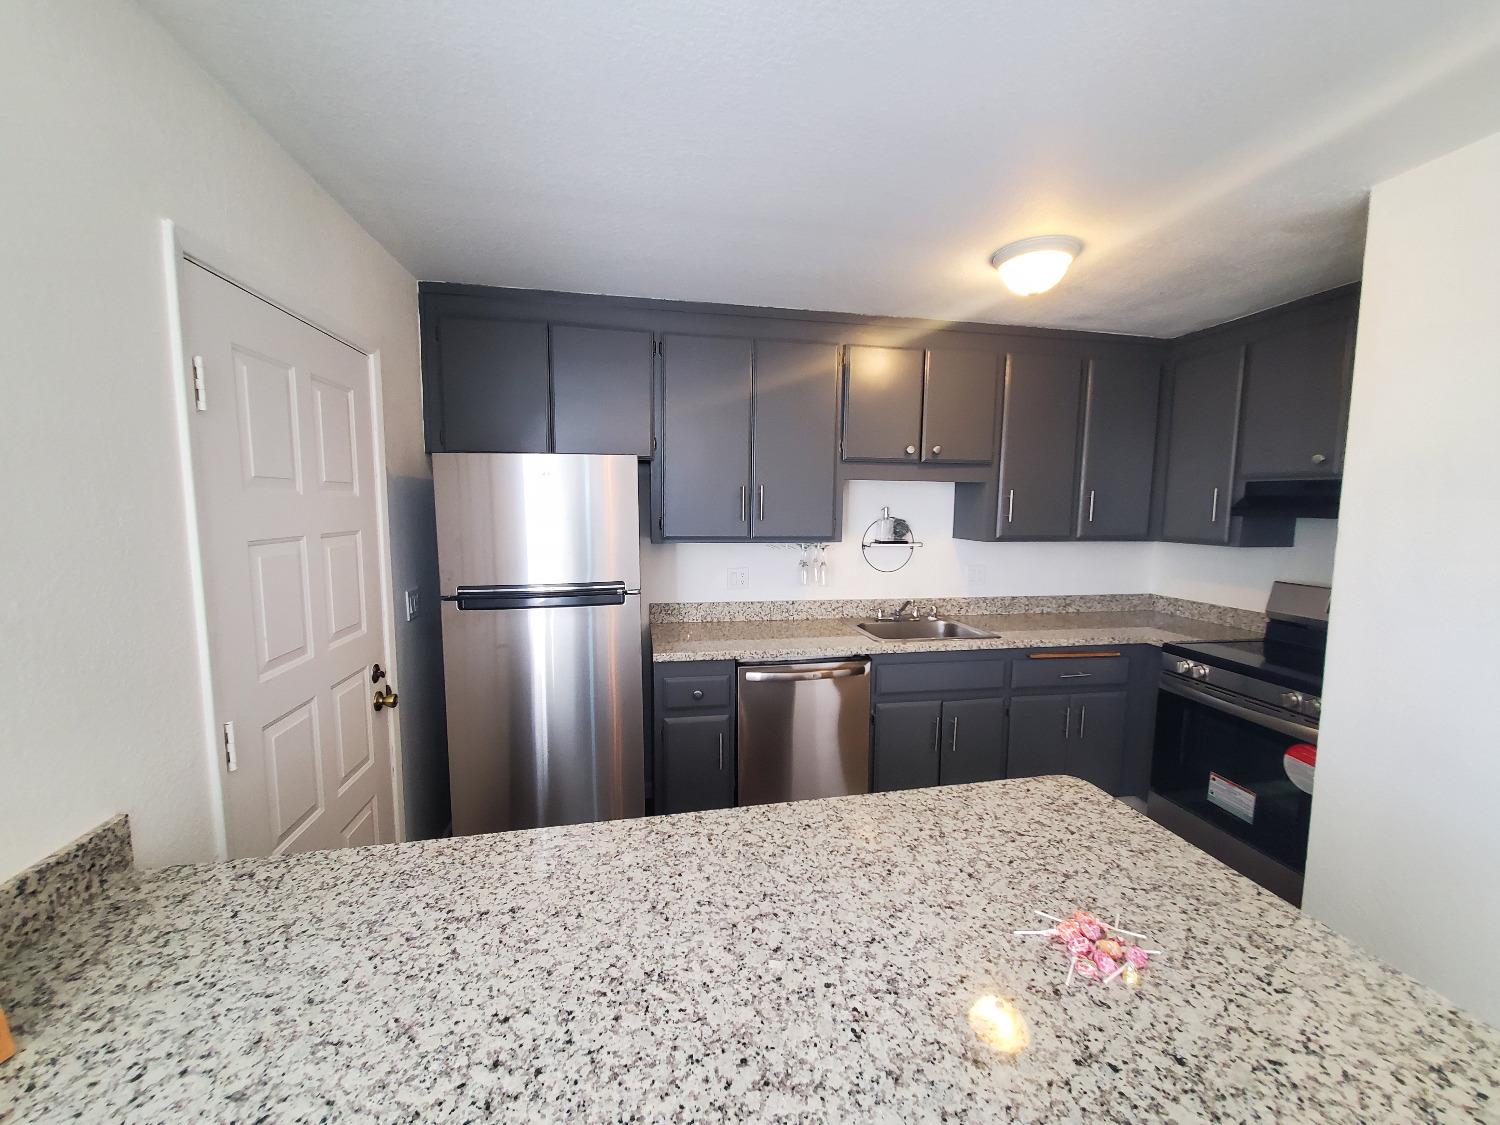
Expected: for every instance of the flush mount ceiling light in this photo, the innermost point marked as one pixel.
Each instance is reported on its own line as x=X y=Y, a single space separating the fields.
x=1035 y=265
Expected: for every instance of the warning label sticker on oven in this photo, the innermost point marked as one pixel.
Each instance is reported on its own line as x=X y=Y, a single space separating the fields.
x=1232 y=797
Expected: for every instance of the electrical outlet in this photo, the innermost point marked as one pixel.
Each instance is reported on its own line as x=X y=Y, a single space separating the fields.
x=737 y=578
x=413 y=603
x=973 y=574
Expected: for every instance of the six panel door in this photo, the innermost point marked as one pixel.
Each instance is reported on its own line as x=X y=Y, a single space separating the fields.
x=601 y=390
x=706 y=388
x=1119 y=447
x=795 y=436
x=883 y=404
x=1201 y=446
x=905 y=750
x=284 y=473
x=1039 y=446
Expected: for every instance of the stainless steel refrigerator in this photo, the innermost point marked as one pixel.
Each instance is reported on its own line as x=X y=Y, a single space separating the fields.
x=539 y=563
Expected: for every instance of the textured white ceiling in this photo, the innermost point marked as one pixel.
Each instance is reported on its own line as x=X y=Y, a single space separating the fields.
x=865 y=155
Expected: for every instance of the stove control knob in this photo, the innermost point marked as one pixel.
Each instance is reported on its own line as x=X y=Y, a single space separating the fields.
x=1291 y=700
x=1199 y=671
x=1313 y=706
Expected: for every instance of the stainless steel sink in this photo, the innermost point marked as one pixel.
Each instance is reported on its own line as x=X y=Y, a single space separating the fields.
x=922 y=629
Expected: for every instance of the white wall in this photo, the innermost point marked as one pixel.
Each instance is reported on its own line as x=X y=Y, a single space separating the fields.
x=1405 y=832
x=945 y=567
x=108 y=128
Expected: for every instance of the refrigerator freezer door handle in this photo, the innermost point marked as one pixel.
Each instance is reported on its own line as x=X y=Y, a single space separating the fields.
x=538 y=597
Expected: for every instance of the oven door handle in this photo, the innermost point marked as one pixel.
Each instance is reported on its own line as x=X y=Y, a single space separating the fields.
x=1249 y=714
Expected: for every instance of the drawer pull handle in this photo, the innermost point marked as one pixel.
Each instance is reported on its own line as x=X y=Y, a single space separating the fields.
x=698 y=693
x=1076 y=676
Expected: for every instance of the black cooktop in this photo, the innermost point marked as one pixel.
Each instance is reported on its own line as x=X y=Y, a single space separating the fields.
x=1291 y=666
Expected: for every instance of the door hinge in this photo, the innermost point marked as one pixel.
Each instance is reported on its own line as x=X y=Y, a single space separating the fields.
x=200 y=394
x=231 y=757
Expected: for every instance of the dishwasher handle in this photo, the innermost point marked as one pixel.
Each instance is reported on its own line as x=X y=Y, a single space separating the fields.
x=831 y=672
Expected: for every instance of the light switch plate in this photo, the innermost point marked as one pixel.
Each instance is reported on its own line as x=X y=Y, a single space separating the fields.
x=737 y=578
x=413 y=603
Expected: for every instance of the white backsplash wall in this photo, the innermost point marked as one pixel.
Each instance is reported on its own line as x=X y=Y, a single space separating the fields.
x=942 y=567
x=946 y=567
x=1242 y=576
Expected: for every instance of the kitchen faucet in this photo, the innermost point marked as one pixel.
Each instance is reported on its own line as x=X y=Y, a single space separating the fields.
x=903 y=607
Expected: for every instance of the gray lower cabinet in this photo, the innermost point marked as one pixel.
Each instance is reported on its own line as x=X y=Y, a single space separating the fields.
x=973 y=741
x=1120 y=406
x=958 y=407
x=694 y=759
x=794 y=438
x=695 y=763
x=705 y=455
x=1200 y=451
x=601 y=390
x=883 y=404
x=1039 y=446
x=1082 y=734
x=904 y=751
x=1296 y=401
x=491 y=393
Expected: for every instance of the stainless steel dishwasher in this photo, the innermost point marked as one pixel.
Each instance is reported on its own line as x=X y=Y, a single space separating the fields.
x=804 y=730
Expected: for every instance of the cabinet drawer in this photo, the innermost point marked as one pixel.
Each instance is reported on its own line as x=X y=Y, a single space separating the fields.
x=695 y=693
x=1082 y=671
x=940 y=677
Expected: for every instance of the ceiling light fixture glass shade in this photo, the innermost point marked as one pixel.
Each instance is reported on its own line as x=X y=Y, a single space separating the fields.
x=1035 y=265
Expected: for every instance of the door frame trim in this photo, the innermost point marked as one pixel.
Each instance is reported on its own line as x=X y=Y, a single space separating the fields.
x=179 y=248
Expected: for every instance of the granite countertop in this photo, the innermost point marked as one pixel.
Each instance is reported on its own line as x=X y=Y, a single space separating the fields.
x=837 y=637
x=808 y=961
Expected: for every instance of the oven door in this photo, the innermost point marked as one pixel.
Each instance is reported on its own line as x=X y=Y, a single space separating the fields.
x=1221 y=762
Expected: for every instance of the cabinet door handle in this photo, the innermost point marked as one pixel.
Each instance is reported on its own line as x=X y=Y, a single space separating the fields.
x=910 y=449
x=1091 y=505
x=744 y=513
x=1083 y=717
x=721 y=751
x=1067 y=720
x=937 y=735
x=1010 y=505
x=936 y=449
x=1213 y=512
x=760 y=500
x=955 y=734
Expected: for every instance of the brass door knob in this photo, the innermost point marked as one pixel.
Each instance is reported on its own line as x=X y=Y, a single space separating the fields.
x=386 y=698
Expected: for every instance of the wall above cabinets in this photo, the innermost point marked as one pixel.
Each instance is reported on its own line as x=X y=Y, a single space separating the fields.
x=754 y=419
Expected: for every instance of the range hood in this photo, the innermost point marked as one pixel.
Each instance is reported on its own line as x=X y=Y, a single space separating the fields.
x=1304 y=499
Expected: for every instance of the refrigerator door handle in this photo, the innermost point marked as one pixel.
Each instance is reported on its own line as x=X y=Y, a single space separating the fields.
x=538 y=597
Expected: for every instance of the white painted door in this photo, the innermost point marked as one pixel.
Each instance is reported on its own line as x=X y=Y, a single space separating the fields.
x=284 y=471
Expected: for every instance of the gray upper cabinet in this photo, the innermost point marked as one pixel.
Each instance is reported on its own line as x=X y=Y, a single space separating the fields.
x=958 y=407
x=1296 y=401
x=883 y=404
x=705 y=491
x=1119 y=447
x=601 y=390
x=493 y=394
x=1039 y=446
x=1201 y=446
x=795 y=435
